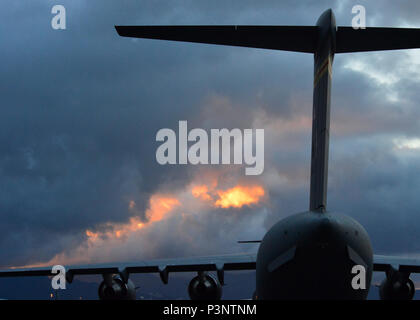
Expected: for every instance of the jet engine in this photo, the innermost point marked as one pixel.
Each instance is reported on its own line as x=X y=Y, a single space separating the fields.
x=397 y=287
x=204 y=287
x=114 y=288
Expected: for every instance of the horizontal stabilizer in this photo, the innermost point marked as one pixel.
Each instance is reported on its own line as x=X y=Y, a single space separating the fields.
x=289 y=38
x=376 y=39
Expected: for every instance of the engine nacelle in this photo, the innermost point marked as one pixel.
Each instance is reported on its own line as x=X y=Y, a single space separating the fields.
x=205 y=287
x=398 y=286
x=116 y=289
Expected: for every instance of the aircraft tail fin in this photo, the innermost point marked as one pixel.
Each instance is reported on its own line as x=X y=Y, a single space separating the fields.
x=376 y=39
x=289 y=38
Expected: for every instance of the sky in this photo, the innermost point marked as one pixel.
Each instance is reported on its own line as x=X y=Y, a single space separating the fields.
x=81 y=108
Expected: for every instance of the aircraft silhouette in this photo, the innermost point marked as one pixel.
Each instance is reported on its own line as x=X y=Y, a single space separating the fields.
x=309 y=255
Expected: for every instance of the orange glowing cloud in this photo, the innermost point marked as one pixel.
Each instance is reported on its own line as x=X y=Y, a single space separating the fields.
x=235 y=197
x=201 y=192
x=117 y=230
x=239 y=196
x=160 y=206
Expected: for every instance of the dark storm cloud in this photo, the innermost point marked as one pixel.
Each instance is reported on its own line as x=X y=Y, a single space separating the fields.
x=81 y=107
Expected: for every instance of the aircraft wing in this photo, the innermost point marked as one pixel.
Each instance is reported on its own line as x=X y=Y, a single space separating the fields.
x=219 y=263
x=406 y=265
x=288 y=38
x=376 y=39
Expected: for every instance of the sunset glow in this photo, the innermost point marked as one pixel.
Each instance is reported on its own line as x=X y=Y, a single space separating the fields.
x=201 y=192
x=159 y=206
x=235 y=197
x=239 y=196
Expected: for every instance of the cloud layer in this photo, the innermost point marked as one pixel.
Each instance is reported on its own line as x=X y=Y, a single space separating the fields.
x=81 y=108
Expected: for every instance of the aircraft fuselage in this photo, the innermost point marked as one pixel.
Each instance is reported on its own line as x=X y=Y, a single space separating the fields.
x=311 y=255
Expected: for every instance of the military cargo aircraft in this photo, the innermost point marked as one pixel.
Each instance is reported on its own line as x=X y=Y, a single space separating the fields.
x=308 y=255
